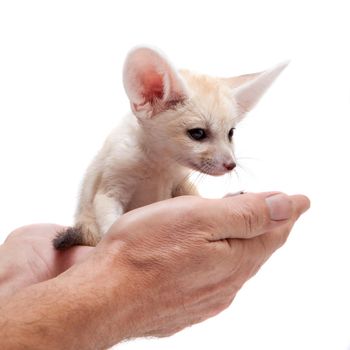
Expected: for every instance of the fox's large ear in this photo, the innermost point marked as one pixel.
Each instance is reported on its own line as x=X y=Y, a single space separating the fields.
x=249 y=88
x=151 y=83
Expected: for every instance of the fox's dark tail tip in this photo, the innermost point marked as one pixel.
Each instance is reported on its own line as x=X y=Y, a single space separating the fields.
x=70 y=237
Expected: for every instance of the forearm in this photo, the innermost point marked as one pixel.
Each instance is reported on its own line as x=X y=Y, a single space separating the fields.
x=83 y=308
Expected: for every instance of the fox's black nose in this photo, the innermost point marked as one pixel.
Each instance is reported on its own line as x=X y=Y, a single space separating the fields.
x=230 y=166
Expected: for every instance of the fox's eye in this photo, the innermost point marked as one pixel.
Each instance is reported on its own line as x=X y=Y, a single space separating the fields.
x=197 y=134
x=230 y=133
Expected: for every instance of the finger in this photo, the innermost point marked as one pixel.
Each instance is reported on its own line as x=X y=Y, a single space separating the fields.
x=274 y=239
x=301 y=203
x=248 y=215
x=35 y=230
x=260 y=248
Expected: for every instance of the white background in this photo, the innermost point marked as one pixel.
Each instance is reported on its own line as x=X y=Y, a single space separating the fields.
x=61 y=93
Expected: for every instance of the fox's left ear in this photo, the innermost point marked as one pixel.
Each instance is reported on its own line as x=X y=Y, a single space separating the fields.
x=249 y=88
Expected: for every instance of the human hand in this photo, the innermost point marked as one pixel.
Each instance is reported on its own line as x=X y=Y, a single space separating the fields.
x=159 y=269
x=28 y=257
x=186 y=258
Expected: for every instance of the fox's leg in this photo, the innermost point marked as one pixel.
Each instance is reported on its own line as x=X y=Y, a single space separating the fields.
x=91 y=223
x=185 y=188
x=107 y=211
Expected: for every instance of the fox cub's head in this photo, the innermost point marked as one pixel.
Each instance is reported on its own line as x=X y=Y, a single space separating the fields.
x=191 y=117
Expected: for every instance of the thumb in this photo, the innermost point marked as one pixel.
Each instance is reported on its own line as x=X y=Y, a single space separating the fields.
x=251 y=214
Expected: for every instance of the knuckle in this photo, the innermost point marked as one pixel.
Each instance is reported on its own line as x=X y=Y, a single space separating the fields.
x=255 y=256
x=263 y=250
x=229 y=301
x=251 y=219
x=283 y=237
x=223 y=304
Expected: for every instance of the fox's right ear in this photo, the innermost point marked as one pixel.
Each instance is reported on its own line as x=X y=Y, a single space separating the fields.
x=151 y=83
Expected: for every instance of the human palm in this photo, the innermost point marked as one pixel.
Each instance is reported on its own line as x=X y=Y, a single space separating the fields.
x=35 y=257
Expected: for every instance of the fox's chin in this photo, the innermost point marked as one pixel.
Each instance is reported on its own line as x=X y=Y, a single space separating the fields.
x=214 y=172
x=208 y=171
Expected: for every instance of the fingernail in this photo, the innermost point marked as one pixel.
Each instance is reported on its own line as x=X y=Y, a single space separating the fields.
x=280 y=207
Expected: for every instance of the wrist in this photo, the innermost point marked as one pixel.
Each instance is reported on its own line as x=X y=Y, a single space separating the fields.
x=98 y=301
x=89 y=306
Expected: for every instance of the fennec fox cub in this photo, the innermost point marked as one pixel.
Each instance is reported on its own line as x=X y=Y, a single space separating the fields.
x=180 y=122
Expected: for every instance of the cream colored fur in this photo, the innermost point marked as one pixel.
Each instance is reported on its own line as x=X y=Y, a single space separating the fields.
x=149 y=156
